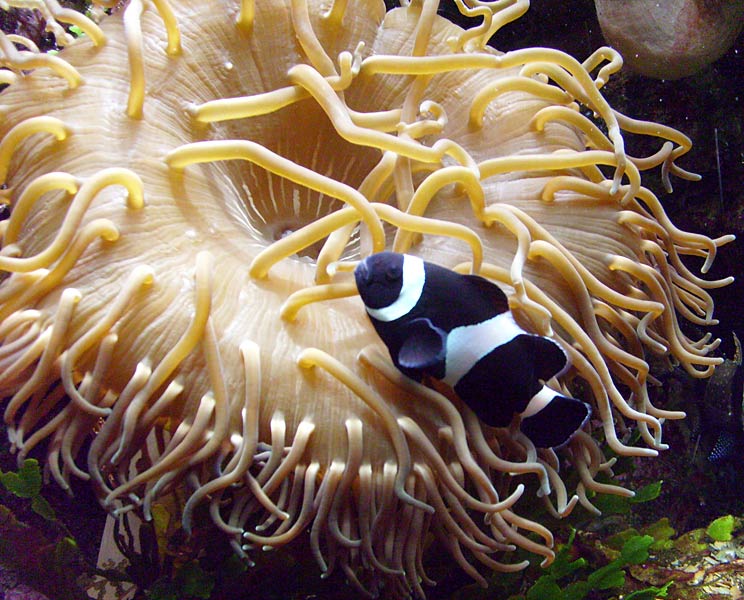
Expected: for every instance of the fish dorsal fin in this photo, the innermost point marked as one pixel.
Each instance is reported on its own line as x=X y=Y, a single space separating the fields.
x=549 y=358
x=490 y=291
x=424 y=347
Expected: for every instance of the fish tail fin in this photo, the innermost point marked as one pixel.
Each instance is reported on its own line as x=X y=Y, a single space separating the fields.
x=557 y=419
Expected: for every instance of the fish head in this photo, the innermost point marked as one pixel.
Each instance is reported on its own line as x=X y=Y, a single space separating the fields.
x=379 y=279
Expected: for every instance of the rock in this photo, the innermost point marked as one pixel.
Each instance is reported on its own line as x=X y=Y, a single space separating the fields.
x=670 y=39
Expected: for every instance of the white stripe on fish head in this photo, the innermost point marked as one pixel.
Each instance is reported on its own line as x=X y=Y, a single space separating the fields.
x=414 y=278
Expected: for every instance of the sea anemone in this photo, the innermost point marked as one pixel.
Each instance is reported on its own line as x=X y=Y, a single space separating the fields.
x=191 y=186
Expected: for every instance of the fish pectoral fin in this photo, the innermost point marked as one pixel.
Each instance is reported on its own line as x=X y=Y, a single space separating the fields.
x=425 y=346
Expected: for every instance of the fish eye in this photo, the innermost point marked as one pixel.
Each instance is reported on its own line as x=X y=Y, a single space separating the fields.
x=393 y=273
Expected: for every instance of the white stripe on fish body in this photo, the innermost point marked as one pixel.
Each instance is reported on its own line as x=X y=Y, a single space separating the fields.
x=539 y=401
x=414 y=278
x=468 y=344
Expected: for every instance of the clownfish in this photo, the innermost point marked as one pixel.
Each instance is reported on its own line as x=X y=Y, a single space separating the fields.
x=459 y=330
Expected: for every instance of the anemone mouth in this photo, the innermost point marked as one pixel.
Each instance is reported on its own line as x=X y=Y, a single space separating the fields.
x=270 y=205
x=164 y=296
x=272 y=208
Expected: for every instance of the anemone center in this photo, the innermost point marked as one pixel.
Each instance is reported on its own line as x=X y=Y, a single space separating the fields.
x=274 y=205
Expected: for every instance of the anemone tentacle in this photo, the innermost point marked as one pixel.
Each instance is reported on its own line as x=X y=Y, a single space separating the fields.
x=189 y=197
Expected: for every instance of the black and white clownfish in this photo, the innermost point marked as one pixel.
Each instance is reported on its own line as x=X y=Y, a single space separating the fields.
x=459 y=329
